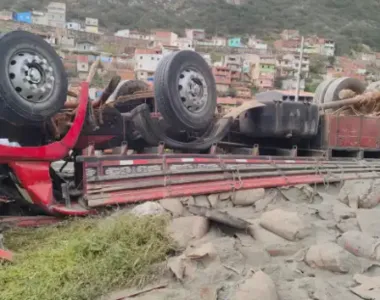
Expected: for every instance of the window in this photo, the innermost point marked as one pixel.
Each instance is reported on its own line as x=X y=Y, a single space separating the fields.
x=152 y=58
x=141 y=74
x=141 y=57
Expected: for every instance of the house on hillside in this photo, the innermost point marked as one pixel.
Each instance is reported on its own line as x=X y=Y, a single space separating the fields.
x=184 y=43
x=123 y=33
x=6 y=15
x=92 y=25
x=40 y=18
x=56 y=14
x=74 y=25
x=85 y=46
x=146 y=62
x=235 y=42
x=165 y=38
x=219 y=41
x=195 y=34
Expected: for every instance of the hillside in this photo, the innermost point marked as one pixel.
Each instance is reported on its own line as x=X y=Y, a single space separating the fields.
x=350 y=22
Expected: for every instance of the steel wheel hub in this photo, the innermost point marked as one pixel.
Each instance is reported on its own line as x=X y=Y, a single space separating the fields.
x=193 y=90
x=31 y=76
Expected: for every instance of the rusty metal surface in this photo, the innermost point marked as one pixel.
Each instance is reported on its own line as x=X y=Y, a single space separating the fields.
x=352 y=131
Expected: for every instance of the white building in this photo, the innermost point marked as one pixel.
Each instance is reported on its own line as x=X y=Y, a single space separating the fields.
x=56 y=14
x=86 y=46
x=185 y=44
x=40 y=18
x=165 y=38
x=92 y=25
x=328 y=48
x=196 y=34
x=291 y=84
x=146 y=62
x=141 y=36
x=219 y=41
x=74 y=26
x=123 y=33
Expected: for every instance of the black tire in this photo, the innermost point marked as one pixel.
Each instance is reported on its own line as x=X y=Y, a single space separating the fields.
x=15 y=108
x=344 y=83
x=167 y=95
x=321 y=90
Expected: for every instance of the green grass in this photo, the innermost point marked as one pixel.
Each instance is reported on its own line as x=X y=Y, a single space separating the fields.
x=83 y=259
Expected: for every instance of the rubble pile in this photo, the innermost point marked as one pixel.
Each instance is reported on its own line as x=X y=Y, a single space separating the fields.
x=303 y=242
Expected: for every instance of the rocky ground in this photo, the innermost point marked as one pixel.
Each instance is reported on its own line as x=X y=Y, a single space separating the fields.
x=304 y=242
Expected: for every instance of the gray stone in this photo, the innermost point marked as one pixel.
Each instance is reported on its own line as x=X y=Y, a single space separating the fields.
x=185 y=229
x=214 y=200
x=174 y=206
x=202 y=201
x=369 y=221
x=148 y=208
x=248 y=197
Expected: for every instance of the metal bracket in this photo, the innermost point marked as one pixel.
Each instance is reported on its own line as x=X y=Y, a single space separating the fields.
x=294 y=151
x=124 y=148
x=213 y=149
x=256 y=150
x=161 y=148
x=66 y=194
x=90 y=150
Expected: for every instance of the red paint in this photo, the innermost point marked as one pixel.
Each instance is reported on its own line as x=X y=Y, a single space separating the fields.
x=353 y=132
x=85 y=141
x=74 y=211
x=22 y=221
x=210 y=187
x=34 y=177
x=53 y=151
x=6 y=255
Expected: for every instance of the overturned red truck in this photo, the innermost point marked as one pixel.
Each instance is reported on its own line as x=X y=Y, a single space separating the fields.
x=170 y=142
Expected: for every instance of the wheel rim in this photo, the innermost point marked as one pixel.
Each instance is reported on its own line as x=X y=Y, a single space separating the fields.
x=192 y=89
x=31 y=76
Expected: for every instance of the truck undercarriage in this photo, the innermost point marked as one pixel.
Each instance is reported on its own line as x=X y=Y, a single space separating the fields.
x=133 y=144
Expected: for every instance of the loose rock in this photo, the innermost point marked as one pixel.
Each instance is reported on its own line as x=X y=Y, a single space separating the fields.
x=369 y=287
x=213 y=200
x=301 y=194
x=174 y=206
x=248 y=197
x=288 y=225
x=360 y=193
x=332 y=257
x=202 y=201
x=369 y=221
x=148 y=208
x=258 y=287
x=283 y=249
x=186 y=229
x=360 y=244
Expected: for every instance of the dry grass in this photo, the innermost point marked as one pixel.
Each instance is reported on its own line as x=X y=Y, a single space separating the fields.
x=82 y=259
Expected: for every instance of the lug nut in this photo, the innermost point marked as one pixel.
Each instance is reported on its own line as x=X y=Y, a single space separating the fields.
x=49 y=86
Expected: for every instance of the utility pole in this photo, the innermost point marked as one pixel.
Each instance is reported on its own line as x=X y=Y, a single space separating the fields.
x=299 y=70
